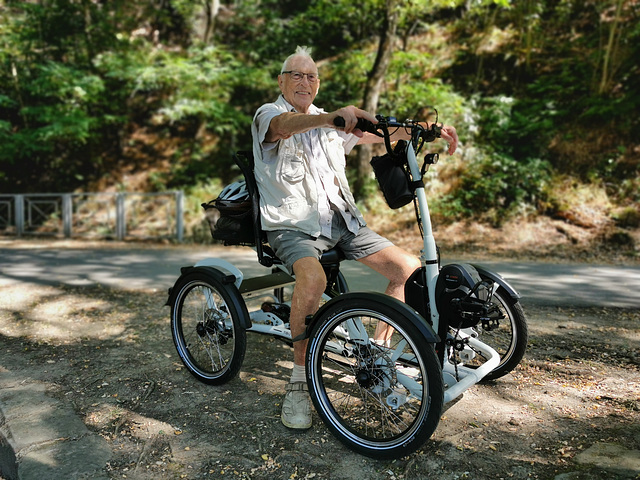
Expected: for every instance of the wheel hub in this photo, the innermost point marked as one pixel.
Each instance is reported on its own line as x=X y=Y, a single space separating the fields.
x=370 y=378
x=365 y=379
x=201 y=330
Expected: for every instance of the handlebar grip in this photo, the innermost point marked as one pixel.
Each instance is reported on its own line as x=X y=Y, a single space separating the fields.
x=338 y=122
x=363 y=124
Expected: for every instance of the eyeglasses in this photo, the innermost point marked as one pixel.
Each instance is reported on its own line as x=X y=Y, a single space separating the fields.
x=297 y=76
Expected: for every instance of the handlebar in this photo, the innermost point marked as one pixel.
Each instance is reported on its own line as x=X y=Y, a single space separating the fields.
x=362 y=124
x=419 y=132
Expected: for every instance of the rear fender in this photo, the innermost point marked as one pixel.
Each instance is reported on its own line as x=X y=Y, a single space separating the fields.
x=224 y=266
x=218 y=278
x=496 y=278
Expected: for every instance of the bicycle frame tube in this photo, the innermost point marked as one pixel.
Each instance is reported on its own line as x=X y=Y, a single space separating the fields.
x=466 y=377
x=429 y=255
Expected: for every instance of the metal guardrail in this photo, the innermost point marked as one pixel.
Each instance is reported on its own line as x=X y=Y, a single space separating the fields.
x=111 y=215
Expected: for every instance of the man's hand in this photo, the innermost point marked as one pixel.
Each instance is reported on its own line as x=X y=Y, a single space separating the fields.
x=449 y=134
x=351 y=115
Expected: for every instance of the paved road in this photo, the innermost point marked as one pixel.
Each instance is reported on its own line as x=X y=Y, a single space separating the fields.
x=136 y=267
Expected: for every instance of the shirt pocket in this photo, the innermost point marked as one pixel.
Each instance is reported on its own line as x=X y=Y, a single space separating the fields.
x=292 y=166
x=335 y=150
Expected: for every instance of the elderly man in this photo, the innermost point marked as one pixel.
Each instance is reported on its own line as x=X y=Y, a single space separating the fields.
x=307 y=206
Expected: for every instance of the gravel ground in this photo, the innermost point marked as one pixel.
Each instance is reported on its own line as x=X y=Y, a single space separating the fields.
x=108 y=353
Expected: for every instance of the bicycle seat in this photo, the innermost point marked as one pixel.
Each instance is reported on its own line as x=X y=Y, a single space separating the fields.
x=332 y=256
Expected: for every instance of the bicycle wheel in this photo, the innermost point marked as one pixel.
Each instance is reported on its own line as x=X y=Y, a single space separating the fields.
x=383 y=401
x=206 y=328
x=506 y=332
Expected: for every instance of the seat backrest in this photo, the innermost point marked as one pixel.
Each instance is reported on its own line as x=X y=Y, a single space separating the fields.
x=266 y=256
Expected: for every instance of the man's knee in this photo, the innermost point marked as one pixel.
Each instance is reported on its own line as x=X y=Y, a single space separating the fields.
x=411 y=264
x=394 y=263
x=311 y=280
x=403 y=270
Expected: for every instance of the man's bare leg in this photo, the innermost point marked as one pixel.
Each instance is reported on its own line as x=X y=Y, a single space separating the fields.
x=307 y=292
x=397 y=266
x=310 y=285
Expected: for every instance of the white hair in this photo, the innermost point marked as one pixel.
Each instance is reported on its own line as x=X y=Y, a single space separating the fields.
x=300 y=52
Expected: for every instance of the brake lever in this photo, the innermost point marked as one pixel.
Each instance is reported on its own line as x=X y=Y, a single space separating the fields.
x=433 y=132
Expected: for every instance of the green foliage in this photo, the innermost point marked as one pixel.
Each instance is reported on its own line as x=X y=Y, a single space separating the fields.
x=60 y=110
x=627 y=217
x=53 y=116
x=343 y=80
x=516 y=127
x=494 y=186
x=412 y=96
x=198 y=83
x=507 y=173
x=197 y=91
x=520 y=80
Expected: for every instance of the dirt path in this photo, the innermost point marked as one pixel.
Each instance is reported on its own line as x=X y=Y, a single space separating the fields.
x=109 y=354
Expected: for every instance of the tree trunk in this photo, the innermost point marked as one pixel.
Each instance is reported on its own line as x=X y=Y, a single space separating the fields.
x=210 y=12
x=373 y=88
x=610 y=52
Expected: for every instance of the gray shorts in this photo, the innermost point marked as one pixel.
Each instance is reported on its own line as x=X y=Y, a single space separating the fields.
x=291 y=245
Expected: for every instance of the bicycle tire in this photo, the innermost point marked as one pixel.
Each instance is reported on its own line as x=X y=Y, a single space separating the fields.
x=380 y=401
x=206 y=327
x=509 y=338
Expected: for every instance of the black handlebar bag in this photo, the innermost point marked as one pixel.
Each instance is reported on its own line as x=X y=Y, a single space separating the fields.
x=393 y=178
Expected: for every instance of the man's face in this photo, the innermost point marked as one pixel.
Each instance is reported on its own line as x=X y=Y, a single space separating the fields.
x=300 y=93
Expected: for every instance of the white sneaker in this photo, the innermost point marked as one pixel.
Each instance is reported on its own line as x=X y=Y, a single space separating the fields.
x=296 y=407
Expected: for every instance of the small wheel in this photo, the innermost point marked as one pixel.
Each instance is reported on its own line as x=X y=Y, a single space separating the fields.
x=206 y=328
x=506 y=332
x=381 y=400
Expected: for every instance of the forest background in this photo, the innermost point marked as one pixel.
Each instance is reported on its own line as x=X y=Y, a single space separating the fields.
x=151 y=95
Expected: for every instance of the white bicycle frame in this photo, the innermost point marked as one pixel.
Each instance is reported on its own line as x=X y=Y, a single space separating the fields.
x=457 y=377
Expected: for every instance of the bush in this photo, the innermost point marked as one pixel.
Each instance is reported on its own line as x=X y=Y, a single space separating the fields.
x=627 y=217
x=495 y=186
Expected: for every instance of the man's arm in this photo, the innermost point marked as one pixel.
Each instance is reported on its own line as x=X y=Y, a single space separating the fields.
x=289 y=123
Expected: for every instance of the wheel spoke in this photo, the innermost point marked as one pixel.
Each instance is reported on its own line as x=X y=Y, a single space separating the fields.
x=506 y=333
